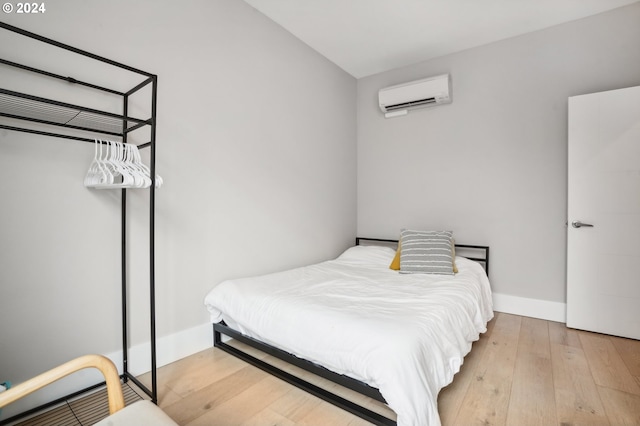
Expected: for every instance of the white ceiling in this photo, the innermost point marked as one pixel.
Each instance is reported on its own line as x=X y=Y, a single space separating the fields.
x=366 y=37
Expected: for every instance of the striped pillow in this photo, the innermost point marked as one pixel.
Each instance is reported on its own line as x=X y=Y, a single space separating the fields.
x=426 y=252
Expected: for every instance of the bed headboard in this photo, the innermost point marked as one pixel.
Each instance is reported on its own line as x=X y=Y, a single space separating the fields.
x=476 y=253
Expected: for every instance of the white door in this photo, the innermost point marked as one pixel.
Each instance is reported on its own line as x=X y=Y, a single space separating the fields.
x=603 y=260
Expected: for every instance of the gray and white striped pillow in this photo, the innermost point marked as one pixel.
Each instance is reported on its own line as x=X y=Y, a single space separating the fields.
x=426 y=252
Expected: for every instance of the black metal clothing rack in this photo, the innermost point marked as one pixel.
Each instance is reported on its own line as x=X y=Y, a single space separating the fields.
x=51 y=115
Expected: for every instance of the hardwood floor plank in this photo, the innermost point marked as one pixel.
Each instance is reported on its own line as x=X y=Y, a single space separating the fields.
x=622 y=408
x=532 y=400
x=326 y=414
x=246 y=405
x=185 y=376
x=357 y=421
x=606 y=365
x=534 y=337
x=629 y=351
x=296 y=404
x=577 y=398
x=216 y=393
x=166 y=396
x=487 y=399
x=268 y=417
x=561 y=335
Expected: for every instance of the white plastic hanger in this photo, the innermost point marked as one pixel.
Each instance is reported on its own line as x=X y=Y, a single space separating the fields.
x=144 y=178
x=98 y=174
x=107 y=178
x=137 y=159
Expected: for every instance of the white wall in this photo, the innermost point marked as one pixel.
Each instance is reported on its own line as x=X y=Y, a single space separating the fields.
x=257 y=148
x=491 y=166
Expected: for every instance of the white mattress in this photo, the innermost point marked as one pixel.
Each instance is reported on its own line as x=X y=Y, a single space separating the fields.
x=405 y=334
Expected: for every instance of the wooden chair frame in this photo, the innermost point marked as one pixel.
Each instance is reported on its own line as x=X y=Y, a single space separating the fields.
x=104 y=364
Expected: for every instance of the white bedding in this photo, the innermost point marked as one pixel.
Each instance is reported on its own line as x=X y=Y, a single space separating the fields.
x=405 y=334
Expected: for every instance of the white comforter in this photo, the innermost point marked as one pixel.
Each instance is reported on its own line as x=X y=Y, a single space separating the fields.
x=405 y=334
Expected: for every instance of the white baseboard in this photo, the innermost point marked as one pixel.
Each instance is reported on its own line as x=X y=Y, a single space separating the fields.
x=535 y=308
x=168 y=349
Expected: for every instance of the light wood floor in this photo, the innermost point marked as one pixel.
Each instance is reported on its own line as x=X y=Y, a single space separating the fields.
x=522 y=371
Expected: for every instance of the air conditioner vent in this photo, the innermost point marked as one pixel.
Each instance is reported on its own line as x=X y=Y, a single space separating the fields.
x=410 y=104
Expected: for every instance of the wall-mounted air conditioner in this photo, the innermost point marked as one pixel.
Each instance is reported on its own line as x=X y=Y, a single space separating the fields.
x=399 y=99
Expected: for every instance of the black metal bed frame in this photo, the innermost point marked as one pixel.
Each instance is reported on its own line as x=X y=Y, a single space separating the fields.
x=222 y=328
x=49 y=112
x=483 y=251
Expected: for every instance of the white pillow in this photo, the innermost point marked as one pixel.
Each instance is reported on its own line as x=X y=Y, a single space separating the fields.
x=367 y=256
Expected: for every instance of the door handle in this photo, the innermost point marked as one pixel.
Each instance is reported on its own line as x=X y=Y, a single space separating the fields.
x=578 y=224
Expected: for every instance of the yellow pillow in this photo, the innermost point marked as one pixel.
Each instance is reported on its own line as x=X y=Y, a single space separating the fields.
x=395 y=263
x=453 y=253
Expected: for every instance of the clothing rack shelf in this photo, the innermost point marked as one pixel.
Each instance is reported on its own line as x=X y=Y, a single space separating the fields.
x=47 y=111
x=49 y=117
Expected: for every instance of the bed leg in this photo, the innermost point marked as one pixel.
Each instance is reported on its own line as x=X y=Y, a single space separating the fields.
x=217 y=337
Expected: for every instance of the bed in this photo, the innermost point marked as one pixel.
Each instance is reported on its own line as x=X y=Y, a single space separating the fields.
x=398 y=338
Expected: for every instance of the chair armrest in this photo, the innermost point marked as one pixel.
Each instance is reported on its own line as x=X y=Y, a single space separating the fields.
x=104 y=364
